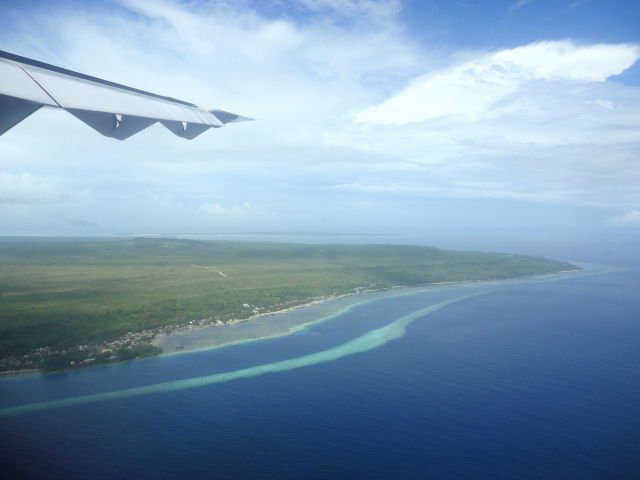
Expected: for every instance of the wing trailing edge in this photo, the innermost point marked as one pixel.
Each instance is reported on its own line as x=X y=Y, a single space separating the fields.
x=114 y=110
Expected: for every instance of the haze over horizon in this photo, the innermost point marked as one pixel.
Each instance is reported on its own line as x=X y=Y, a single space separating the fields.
x=514 y=118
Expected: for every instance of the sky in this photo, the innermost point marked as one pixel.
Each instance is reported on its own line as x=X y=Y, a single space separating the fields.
x=419 y=117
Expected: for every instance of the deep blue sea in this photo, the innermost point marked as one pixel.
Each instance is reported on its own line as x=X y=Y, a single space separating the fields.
x=527 y=381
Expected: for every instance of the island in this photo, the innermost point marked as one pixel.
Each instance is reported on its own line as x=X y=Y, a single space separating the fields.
x=74 y=303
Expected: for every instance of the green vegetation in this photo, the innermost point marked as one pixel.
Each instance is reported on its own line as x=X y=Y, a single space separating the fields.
x=68 y=293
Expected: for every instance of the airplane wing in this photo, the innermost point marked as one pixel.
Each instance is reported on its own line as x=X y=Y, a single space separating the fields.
x=114 y=110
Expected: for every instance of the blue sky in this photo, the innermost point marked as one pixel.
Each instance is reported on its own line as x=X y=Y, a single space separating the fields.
x=413 y=117
x=511 y=22
x=500 y=24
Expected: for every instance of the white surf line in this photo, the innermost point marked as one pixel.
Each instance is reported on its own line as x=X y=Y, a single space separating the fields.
x=369 y=341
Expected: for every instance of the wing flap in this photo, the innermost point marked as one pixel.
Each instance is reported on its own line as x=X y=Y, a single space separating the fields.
x=111 y=125
x=14 y=110
x=184 y=129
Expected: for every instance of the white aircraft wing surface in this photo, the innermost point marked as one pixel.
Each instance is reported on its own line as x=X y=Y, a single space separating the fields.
x=114 y=110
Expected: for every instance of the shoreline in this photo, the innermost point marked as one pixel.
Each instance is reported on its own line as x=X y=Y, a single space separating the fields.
x=208 y=337
x=197 y=339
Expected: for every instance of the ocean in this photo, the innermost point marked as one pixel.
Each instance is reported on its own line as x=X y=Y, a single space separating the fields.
x=532 y=380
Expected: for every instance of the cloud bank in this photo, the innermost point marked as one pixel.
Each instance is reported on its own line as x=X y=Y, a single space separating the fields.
x=631 y=218
x=358 y=123
x=26 y=188
x=473 y=90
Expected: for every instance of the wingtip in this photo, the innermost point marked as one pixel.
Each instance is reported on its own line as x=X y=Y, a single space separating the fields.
x=228 y=117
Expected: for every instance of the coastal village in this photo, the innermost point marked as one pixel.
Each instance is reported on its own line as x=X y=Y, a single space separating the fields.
x=134 y=345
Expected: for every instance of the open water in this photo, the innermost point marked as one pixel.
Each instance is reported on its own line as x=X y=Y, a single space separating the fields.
x=536 y=380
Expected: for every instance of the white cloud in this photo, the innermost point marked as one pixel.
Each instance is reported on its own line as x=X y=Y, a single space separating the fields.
x=565 y=60
x=243 y=209
x=631 y=218
x=25 y=188
x=471 y=91
x=460 y=190
x=381 y=11
x=518 y=5
x=606 y=104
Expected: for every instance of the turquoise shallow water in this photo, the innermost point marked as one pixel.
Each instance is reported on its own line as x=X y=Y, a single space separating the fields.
x=531 y=380
x=367 y=341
